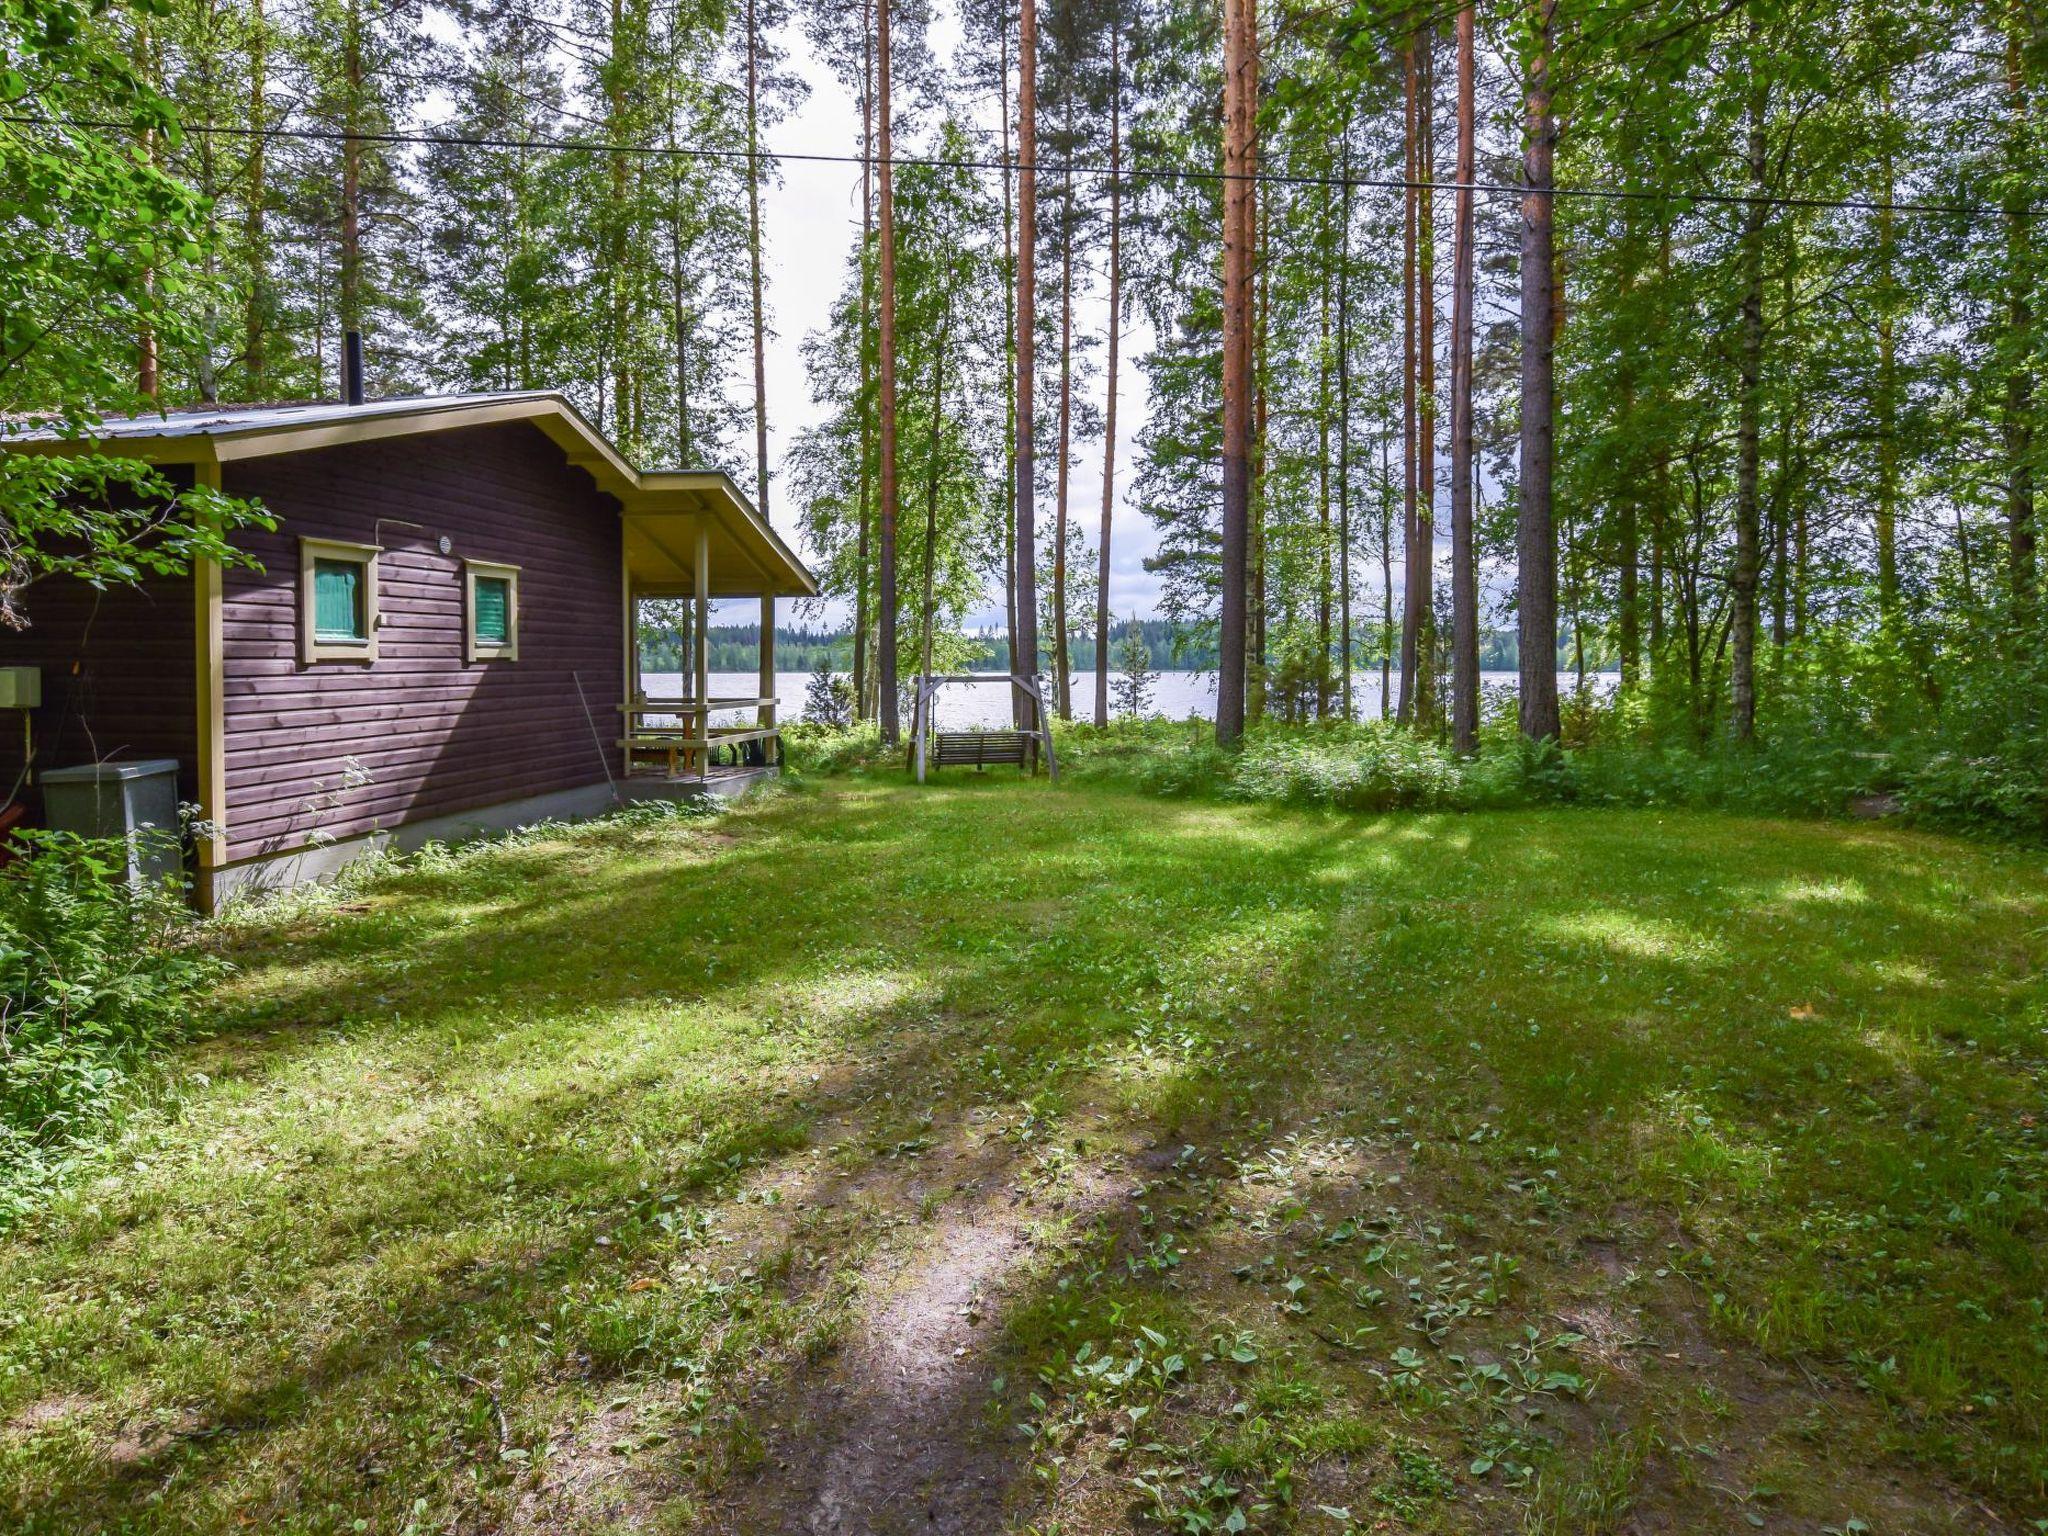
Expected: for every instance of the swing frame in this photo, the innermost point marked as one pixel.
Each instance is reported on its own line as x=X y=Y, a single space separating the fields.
x=923 y=735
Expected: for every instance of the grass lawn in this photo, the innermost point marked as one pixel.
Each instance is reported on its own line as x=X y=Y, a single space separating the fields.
x=1000 y=1157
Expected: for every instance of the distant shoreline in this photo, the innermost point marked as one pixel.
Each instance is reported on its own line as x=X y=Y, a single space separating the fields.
x=1564 y=673
x=1371 y=671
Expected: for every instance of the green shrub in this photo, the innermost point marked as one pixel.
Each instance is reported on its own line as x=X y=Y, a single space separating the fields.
x=809 y=747
x=92 y=978
x=1371 y=769
x=1782 y=775
x=1837 y=733
x=1182 y=768
x=1988 y=763
x=1995 y=791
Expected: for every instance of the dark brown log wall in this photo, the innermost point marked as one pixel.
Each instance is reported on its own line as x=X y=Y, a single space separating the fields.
x=340 y=748
x=117 y=679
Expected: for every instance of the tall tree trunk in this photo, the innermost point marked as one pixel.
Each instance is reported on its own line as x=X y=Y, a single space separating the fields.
x=934 y=473
x=1535 y=536
x=1062 y=659
x=885 y=662
x=615 y=235
x=1799 y=570
x=147 y=363
x=1661 y=521
x=1009 y=378
x=1344 y=431
x=1963 y=558
x=1778 y=537
x=1387 y=502
x=1240 y=106
x=679 y=314
x=1322 y=677
x=1025 y=659
x=1743 y=580
x=519 y=358
x=1464 y=550
x=2020 y=531
x=208 y=377
x=1628 y=497
x=256 y=311
x=1421 y=601
x=1784 y=483
x=1256 y=591
x=1658 y=561
x=1628 y=589
x=861 y=669
x=1887 y=512
x=754 y=257
x=1409 y=532
x=1575 y=579
x=1116 y=97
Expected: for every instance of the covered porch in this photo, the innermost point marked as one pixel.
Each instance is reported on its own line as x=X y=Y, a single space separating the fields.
x=691 y=539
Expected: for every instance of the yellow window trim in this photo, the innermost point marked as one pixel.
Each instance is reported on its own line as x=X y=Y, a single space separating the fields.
x=474 y=650
x=311 y=647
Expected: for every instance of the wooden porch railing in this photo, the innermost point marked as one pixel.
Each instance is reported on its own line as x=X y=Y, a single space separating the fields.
x=679 y=732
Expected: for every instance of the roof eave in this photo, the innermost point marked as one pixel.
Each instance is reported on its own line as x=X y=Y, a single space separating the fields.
x=807 y=585
x=549 y=410
x=157 y=450
x=658 y=490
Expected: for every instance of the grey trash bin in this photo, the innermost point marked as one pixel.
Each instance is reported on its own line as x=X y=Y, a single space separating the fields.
x=136 y=802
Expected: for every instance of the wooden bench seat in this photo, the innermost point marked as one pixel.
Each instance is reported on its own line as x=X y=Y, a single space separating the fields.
x=664 y=746
x=678 y=745
x=978 y=749
x=1012 y=747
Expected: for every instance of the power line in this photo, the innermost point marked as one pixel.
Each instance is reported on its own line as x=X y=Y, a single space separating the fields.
x=1074 y=168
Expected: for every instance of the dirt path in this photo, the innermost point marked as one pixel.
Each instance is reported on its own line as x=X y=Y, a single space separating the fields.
x=912 y=1452
x=892 y=1433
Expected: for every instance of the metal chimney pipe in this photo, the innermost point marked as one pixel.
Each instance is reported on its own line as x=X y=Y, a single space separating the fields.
x=352 y=368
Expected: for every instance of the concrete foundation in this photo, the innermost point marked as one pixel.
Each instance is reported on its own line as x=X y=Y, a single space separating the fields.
x=280 y=871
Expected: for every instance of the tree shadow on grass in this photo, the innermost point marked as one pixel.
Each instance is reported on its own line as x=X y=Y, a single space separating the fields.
x=1016 y=951
x=464 y=1247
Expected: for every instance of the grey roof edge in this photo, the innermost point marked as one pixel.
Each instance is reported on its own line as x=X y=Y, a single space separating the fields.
x=235 y=420
x=230 y=422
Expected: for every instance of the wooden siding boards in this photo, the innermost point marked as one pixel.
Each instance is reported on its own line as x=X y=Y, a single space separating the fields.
x=117 y=678
x=117 y=675
x=336 y=749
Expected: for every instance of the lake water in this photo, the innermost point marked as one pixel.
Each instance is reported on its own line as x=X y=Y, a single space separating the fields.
x=966 y=706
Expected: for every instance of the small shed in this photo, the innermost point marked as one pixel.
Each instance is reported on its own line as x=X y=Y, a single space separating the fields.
x=438 y=638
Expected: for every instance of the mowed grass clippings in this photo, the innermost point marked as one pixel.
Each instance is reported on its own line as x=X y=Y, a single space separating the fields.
x=1525 y=1171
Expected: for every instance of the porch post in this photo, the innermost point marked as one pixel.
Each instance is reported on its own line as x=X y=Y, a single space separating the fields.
x=766 y=717
x=701 y=573
x=629 y=658
x=632 y=649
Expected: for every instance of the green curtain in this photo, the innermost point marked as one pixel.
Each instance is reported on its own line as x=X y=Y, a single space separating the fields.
x=338 y=600
x=493 y=610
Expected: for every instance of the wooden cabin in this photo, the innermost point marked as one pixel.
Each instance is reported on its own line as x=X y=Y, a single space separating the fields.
x=438 y=638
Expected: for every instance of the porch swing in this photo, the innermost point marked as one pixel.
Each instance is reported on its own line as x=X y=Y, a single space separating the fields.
x=1018 y=747
x=934 y=748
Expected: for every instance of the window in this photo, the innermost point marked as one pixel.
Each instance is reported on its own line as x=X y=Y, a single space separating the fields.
x=337 y=601
x=493 y=604
x=338 y=612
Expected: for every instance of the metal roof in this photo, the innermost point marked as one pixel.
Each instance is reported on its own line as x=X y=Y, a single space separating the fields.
x=218 y=434
x=213 y=420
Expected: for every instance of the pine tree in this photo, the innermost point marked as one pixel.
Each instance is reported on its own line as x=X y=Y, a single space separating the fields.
x=1240 y=111
x=1464 y=550
x=1536 y=543
x=1134 y=678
